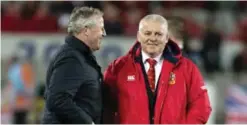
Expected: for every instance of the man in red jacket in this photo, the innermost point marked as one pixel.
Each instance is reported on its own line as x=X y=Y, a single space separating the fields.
x=153 y=83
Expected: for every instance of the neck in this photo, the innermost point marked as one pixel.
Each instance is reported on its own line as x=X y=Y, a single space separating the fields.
x=152 y=55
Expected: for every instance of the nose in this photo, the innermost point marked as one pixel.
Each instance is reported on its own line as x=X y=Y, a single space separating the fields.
x=153 y=38
x=104 y=33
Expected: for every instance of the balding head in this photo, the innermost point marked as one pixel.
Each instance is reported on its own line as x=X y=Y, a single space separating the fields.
x=155 y=18
x=153 y=34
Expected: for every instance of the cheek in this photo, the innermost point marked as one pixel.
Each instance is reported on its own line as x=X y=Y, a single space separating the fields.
x=96 y=35
x=100 y=33
x=142 y=38
x=163 y=41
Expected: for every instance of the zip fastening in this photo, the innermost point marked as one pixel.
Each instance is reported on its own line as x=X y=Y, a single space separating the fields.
x=165 y=84
x=162 y=103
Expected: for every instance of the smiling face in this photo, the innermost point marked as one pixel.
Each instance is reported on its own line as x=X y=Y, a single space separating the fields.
x=87 y=24
x=153 y=36
x=96 y=33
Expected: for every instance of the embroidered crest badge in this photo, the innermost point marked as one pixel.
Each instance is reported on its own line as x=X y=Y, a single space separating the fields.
x=172 y=80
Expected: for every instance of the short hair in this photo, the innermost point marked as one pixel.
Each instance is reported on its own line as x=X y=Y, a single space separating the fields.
x=154 y=17
x=176 y=27
x=81 y=17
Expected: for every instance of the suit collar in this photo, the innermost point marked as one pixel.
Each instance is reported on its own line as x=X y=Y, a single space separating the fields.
x=85 y=50
x=77 y=44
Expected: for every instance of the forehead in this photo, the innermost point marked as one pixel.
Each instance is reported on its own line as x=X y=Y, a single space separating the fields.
x=154 y=26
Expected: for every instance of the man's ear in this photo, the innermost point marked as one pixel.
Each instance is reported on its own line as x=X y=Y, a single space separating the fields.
x=138 y=36
x=85 y=31
x=167 y=38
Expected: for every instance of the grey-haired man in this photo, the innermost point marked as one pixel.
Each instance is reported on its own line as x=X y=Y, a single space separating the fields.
x=73 y=83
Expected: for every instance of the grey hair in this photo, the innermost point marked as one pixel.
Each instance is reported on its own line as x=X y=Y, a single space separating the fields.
x=82 y=17
x=153 y=17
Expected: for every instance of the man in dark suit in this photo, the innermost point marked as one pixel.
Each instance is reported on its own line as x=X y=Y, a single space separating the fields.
x=73 y=83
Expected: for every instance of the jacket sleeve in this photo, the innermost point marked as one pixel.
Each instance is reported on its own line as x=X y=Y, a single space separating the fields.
x=64 y=82
x=198 y=108
x=109 y=95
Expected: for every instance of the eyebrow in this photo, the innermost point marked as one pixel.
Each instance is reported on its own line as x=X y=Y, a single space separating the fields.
x=152 y=31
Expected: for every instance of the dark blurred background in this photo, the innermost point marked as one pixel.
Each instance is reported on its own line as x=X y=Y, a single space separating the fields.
x=214 y=36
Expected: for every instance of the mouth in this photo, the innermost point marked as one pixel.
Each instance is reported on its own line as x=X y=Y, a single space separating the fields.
x=100 y=40
x=152 y=44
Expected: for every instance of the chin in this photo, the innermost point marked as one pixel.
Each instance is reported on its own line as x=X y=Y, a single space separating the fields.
x=97 y=48
x=152 y=50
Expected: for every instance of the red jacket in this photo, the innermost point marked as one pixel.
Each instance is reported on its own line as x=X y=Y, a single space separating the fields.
x=180 y=99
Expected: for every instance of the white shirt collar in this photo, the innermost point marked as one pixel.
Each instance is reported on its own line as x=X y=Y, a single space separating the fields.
x=145 y=56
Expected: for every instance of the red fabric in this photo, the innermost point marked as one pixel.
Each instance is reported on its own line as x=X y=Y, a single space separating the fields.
x=10 y=23
x=151 y=73
x=126 y=99
x=45 y=24
x=15 y=24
